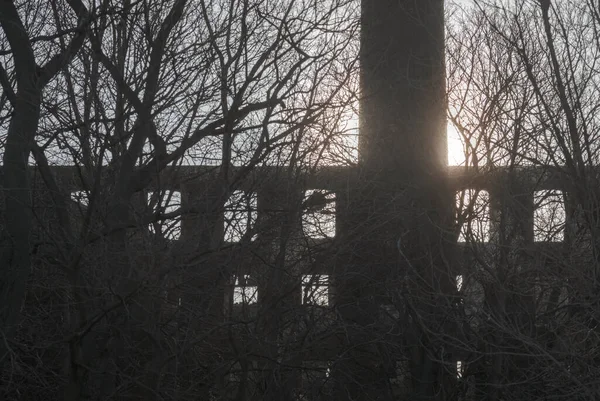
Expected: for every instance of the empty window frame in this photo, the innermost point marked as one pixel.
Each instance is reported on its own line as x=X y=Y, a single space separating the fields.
x=234 y=376
x=243 y=292
x=315 y=289
x=81 y=197
x=172 y=298
x=318 y=217
x=240 y=381
x=401 y=375
x=389 y=312
x=473 y=215
x=316 y=383
x=315 y=372
x=240 y=215
x=459 y=282
x=164 y=203
x=460 y=368
x=549 y=216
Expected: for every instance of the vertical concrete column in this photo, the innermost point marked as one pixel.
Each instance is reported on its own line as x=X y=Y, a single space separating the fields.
x=403 y=143
x=401 y=200
x=402 y=113
x=278 y=222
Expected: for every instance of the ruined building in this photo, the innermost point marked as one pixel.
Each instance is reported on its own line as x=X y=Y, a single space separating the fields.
x=340 y=283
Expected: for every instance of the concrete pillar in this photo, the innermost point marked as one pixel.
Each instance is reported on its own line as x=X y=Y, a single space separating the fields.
x=402 y=113
x=401 y=200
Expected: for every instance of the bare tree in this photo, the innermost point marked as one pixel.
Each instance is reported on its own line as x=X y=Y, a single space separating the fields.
x=523 y=96
x=31 y=67
x=172 y=144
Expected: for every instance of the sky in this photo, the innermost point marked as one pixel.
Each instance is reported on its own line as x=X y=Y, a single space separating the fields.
x=456 y=155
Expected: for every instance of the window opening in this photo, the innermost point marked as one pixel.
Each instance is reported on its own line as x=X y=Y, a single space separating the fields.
x=459 y=369
x=318 y=218
x=473 y=214
x=161 y=203
x=81 y=197
x=315 y=289
x=549 y=216
x=240 y=215
x=244 y=293
x=459 y=282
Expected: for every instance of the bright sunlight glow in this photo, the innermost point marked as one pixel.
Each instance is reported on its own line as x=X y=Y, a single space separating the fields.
x=456 y=153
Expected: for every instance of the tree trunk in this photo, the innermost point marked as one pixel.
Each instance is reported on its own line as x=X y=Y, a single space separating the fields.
x=15 y=257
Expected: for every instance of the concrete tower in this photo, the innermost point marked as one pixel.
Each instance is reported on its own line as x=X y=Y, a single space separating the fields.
x=402 y=114
x=400 y=202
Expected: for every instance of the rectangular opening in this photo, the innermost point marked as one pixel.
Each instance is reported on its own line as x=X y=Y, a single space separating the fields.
x=549 y=216
x=240 y=215
x=315 y=289
x=459 y=282
x=473 y=215
x=316 y=383
x=165 y=203
x=81 y=197
x=400 y=375
x=459 y=369
x=234 y=376
x=243 y=293
x=315 y=372
x=318 y=217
